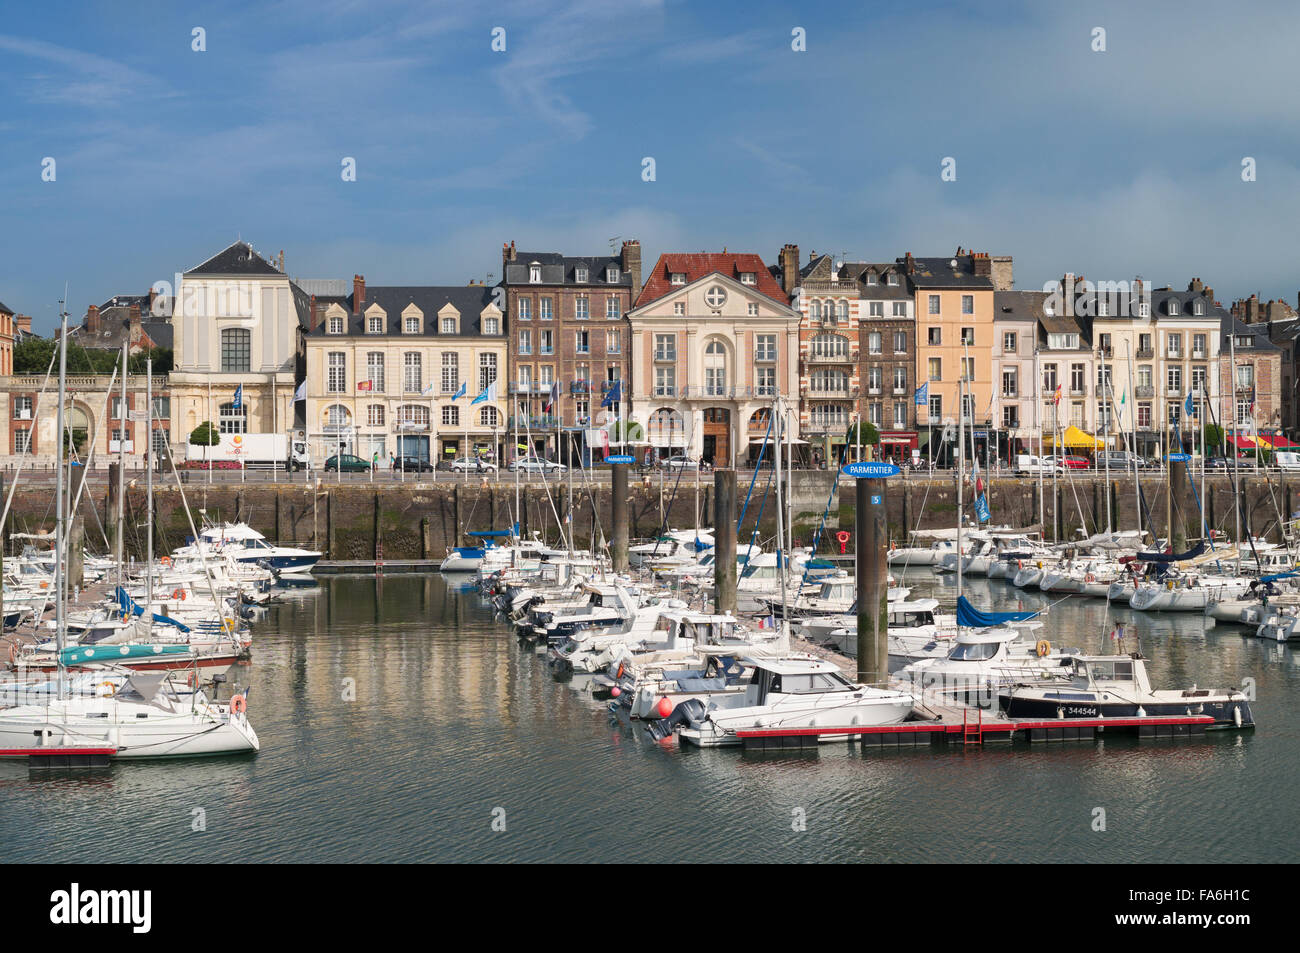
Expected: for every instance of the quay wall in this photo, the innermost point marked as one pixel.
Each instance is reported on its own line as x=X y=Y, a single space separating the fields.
x=361 y=521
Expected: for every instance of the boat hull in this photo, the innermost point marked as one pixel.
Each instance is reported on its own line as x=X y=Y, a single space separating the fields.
x=1223 y=710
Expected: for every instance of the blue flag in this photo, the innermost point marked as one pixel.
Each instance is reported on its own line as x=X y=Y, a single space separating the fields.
x=460 y=393
x=614 y=396
x=238 y=403
x=489 y=393
x=923 y=394
x=1188 y=407
x=981 y=508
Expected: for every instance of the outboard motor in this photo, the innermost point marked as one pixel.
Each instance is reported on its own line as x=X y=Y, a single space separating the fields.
x=690 y=712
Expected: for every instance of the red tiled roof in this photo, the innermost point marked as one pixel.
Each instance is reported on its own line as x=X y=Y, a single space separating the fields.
x=658 y=282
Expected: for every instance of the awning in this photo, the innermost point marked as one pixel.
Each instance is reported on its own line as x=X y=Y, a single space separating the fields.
x=1074 y=437
x=1277 y=442
x=1244 y=441
x=757 y=440
x=898 y=436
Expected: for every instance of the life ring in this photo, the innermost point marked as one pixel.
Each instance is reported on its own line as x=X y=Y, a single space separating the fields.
x=1043 y=648
x=1089 y=578
x=166 y=561
x=178 y=594
x=112 y=689
x=238 y=705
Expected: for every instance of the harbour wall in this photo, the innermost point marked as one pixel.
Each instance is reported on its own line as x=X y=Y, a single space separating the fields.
x=420 y=521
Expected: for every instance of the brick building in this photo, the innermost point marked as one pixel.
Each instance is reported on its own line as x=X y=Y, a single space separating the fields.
x=570 y=340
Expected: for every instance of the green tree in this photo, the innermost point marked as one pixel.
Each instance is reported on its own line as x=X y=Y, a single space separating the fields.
x=869 y=435
x=162 y=361
x=205 y=435
x=1213 y=437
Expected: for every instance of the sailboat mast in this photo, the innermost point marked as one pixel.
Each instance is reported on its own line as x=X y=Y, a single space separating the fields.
x=1108 y=407
x=118 y=540
x=961 y=466
x=1236 y=448
x=782 y=557
x=148 y=470
x=60 y=511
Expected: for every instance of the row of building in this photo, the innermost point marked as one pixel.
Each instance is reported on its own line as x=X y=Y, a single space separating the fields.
x=567 y=354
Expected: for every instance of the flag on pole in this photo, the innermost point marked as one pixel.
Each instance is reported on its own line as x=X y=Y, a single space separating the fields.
x=1057 y=399
x=300 y=393
x=554 y=397
x=427 y=390
x=365 y=385
x=921 y=397
x=489 y=393
x=238 y=402
x=1188 y=407
x=460 y=393
x=614 y=396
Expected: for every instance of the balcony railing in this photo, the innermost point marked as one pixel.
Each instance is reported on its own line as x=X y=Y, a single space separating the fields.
x=1146 y=391
x=725 y=392
x=843 y=357
x=541 y=422
x=1174 y=354
x=823 y=390
x=580 y=387
x=664 y=390
x=1198 y=354
x=1145 y=353
x=1244 y=389
x=667 y=356
x=1078 y=390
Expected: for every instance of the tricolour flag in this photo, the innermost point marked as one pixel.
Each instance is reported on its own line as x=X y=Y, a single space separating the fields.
x=554 y=397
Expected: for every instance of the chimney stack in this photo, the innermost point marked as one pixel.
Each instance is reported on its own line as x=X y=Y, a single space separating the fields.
x=281 y=261
x=632 y=265
x=789 y=262
x=358 y=293
x=909 y=263
x=311 y=308
x=23 y=322
x=92 y=319
x=1195 y=285
x=982 y=265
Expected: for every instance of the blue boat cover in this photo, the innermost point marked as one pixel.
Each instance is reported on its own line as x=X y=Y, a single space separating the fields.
x=1279 y=575
x=130 y=607
x=972 y=618
x=1172 y=557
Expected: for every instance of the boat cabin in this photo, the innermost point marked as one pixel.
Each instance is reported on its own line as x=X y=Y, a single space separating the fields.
x=793 y=675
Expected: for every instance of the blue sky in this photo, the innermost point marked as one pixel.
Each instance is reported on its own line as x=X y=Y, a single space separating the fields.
x=1112 y=164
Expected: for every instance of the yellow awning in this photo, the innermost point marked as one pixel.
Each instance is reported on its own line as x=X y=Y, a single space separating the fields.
x=1074 y=437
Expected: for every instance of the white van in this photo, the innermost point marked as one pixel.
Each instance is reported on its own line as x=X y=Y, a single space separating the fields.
x=1030 y=463
x=1286 y=460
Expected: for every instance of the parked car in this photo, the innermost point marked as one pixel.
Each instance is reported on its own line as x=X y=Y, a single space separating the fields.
x=474 y=464
x=535 y=465
x=414 y=465
x=1073 y=463
x=1286 y=460
x=679 y=462
x=1217 y=463
x=349 y=463
x=1120 y=460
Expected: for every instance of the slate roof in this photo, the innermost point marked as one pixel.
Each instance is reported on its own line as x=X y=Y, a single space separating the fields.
x=1258 y=333
x=939 y=273
x=1161 y=297
x=238 y=259
x=6 y=310
x=882 y=289
x=469 y=300
x=695 y=266
x=560 y=269
x=1018 y=305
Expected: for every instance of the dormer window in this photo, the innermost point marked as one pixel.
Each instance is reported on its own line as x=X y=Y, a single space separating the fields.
x=748 y=278
x=678 y=278
x=893 y=279
x=1173 y=305
x=580 y=274
x=871 y=278
x=535 y=273
x=1198 y=307
x=374 y=324
x=335 y=324
x=448 y=325
x=491 y=326
x=612 y=274
x=411 y=324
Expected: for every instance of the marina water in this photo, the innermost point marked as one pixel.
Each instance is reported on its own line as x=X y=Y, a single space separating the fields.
x=452 y=742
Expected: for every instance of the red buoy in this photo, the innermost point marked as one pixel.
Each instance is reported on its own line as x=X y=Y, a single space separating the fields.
x=665 y=707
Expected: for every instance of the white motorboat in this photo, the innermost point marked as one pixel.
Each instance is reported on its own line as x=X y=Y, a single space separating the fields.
x=1117 y=686
x=792 y=694
x=981 y=661
x=1186 y=592
x=675 y=548
x=247 y=545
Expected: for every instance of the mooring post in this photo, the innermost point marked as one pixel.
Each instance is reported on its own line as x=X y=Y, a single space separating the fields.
x=724 y=540
x=76 y=548
x=618 y=504
x=872 y=581
x=1178 y=487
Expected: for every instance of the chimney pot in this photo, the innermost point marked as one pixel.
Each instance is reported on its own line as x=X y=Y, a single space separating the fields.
x=358 y=293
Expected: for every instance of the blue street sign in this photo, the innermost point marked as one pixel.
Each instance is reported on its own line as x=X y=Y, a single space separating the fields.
x=621 y=458
x=875 y=500
x=1179 y=457
x=869 y=471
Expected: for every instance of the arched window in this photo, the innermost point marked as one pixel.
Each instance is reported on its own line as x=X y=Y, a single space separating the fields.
x=715 y=369
x=664 y=424
x=816 y=309
x=842 y=311
x=488 y=417
x=760 y=419
x=230 y=420
x=336 y=418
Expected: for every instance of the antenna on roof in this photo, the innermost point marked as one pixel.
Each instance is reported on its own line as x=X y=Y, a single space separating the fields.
x=613 y=243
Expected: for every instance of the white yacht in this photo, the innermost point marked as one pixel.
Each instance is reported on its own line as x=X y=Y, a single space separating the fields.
x=792 y=694
x=247 y=545
x=983 y=660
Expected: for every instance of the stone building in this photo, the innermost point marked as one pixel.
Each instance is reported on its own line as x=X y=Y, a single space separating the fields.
x=714 y=342
x=393 y=370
